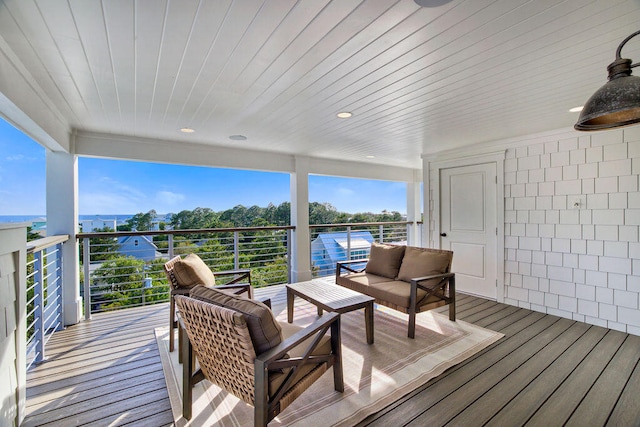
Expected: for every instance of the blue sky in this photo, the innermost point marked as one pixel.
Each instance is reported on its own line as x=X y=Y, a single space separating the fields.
x=127 y=187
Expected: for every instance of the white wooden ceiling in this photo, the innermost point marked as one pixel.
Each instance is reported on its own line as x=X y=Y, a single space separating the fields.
x=417 y=80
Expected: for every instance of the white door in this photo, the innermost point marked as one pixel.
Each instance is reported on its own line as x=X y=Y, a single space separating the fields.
x=468 y=226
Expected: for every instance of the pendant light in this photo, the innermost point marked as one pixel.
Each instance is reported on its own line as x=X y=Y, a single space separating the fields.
x=617 y=103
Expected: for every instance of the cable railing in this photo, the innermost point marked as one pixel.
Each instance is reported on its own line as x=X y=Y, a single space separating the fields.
x=44 y=294
x=125 y=269
x=332 y=243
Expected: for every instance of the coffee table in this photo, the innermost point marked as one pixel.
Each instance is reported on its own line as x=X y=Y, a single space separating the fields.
x=331 y=297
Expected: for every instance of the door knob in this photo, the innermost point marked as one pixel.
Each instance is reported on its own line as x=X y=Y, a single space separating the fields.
x=443 y=234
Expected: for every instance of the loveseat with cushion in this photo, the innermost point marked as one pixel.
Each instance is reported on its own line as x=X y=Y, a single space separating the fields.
x=406 y=278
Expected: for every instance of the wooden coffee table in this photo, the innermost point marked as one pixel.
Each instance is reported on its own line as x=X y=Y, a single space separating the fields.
x=331 y=297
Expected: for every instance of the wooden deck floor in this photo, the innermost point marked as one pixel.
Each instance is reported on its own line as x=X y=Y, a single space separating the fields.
x=545 y=371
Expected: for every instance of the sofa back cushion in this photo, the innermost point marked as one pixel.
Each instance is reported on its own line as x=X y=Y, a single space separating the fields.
x=421 y=262
x=385 y=260
x=191 y=271
x=265 y=331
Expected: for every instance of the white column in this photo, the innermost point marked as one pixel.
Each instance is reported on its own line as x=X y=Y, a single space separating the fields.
x=426 y=204
x=414 y=210
x=301 y=260
x=62 y=218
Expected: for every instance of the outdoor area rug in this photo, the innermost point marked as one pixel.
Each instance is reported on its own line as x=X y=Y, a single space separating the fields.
x=374 y=375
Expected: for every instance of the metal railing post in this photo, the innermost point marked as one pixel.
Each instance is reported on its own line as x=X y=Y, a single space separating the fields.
x=87 y=279
x=38 y=310
x=60 y=281
x=289 y=254
x=381 y=232
x=236 y=250
x=170 y=243
x=349 y=243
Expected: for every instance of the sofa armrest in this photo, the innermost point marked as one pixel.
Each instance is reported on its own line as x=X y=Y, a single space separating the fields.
x=433 y=276
x=346 y=265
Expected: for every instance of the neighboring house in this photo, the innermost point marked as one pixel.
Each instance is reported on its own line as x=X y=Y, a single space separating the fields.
x=141 y=247
x=329 y=248
x=89 y=225
x=39 y=225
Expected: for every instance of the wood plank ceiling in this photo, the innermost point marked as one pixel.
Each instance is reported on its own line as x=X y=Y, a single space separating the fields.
x=417 y=80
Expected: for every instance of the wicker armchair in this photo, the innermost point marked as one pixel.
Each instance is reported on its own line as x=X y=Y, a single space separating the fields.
x=221 y=340
x=177 y=288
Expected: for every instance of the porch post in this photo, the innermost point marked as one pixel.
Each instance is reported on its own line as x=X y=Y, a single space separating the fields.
x=301 y=260
x=413 y=210
x=62 y=218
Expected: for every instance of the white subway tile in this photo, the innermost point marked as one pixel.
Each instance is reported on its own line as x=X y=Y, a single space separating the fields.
x=585 y=217
x=536 y=297
x=521 y=152
x=628 y=233
x=536 y=175
x=617 y=281
x=547 y=230
x=551 y=147
x=570 y=172
x=553 y=174
x=518 y=229
x=545 y=244
x=588 y=262
x=532 y=230
x=618 y=201
x=510 y=254
x=545 y=161
x=584 y=141
x=525 y=203
x=616 y=249
x=517 y=190
x=632 y=216
x=551 y=300
x=509 y=217
x=543 y=285
x=578 y=157
x=607 y=185
x=546 y=189
x=568 y=231
x=597 y=278
x=608 y=311
x=511 y=242
x=607 y=232
x=531 y=162
x=523 y=216
x=588 y=186
x=586 y=292
x=544 y=203
x=567 y=304
x=524 y=268
x=570 y=217
x=604 y=295
x=554 y=259
x=588 y=232
x=598 y=201
x=537 y=216
x=561 y=245
x=516 y=280
x=570 y=261
x=508 y=204
x=614 y=168
x=539 y=271
x=633 y=330
x=509 y=178
x=615 y=152
x=633 y=200
x=625 y=298
x=633 y=284
x=607 y=138
x=588 y=170
x=595 y=247
x=568 y=144
x=531 y=190
x=511 y=165
x=615 y=265
x=578 y=246
x=511 y=267
x=594 y=154
x=566 y=289
x=628 y=184
x=608 y=216
x=530 y=243
x=588 y=308
x=559 y=159
x=560 y=202
x=631 y=133
x=530 y=283
x=634 y=149
x=538 y=257
x=535 y=149
x=635 y=166
x=522 y=177
x=523 y=256
x=579 y=276
x=634 y=250
x=629 y=316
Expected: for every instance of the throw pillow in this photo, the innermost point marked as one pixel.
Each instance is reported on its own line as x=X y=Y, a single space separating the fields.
x=265 y=331
x=191 y=271
x=385 y=260
x=421 y=262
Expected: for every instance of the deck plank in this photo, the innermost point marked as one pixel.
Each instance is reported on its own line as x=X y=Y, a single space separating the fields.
x=107 y=371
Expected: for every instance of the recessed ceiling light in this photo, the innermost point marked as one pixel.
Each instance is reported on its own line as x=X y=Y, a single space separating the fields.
x=238 y=137
x=371 y=157
x=187 y=130
x=344 y=115
x=576 y=109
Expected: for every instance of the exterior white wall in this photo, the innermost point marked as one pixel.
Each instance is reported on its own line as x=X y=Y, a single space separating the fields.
x=572 y=226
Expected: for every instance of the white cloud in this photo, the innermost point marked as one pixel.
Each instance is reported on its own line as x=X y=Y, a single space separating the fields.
x=169 y=198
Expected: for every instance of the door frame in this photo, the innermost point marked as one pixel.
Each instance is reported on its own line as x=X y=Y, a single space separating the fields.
x=436 y=166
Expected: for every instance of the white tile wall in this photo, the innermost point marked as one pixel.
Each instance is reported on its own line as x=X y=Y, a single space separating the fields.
x=581 y=263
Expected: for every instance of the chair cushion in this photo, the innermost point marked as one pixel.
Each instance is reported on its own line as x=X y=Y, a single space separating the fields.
x=385 y=260
x=420 y=262
x=191 y=271
x=265 y=331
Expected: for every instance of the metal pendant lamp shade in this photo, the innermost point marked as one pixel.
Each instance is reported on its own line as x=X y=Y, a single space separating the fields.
x=617 y=103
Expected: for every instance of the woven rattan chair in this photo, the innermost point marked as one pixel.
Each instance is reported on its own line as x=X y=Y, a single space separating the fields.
x=231 y=284
x=222 y=344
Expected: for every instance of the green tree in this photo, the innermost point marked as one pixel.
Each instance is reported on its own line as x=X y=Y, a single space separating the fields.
x=140 y=221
